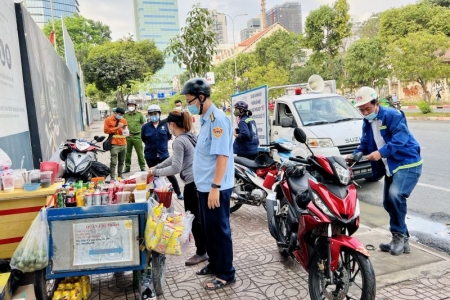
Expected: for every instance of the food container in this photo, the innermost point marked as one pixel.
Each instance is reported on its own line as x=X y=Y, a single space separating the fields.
x=35 y=176
x=164 y=197
x=46 y=178
x=50 y=166
x=30 y=187
x=123 y=197
x=8 y=183
x=140 y=196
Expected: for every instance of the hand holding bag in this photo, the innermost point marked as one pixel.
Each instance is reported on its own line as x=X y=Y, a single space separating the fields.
x=107 y=143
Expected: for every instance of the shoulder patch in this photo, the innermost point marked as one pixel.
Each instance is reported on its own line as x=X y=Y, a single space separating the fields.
x=217 y=132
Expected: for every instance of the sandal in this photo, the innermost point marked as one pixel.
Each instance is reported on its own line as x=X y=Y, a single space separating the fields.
x=204 y=271
x=196 y=259
x=217 y=284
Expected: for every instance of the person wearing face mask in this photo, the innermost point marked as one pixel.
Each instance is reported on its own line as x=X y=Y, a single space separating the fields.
x=246 y=135
x=135 y=120
x=213 y=169
x=155 y=135
x=180 y=125
x=114 y=125
x=179 y=106
x=395 y=154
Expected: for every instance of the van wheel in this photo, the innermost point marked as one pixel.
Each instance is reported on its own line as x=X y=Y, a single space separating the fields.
x=371 y=179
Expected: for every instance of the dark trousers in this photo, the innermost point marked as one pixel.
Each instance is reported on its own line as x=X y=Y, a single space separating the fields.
x=249 y=156
x=151 y=162
x=191 y=204
x=216 y=225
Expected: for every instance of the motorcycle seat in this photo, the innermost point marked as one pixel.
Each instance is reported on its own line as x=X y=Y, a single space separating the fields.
x=246 y=162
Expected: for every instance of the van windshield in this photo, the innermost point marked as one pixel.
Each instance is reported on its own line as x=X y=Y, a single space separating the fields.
x=326 y=110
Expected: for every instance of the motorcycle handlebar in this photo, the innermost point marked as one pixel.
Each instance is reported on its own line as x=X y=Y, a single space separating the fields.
x=300 y=160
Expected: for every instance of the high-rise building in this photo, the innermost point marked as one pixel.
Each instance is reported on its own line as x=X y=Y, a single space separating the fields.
x=253 y=26
x=41 y=10
x=219 y=26
x=158 y=21
x=288 y=14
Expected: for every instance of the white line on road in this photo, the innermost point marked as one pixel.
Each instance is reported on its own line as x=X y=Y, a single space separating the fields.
x=434 y=187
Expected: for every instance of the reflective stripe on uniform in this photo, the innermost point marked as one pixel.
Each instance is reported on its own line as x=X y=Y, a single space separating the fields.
x=118 y=136
x=409 y=166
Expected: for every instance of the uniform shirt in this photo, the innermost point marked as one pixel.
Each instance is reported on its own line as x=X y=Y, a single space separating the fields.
x=135 y=121
x=156 y=140
x=109 y=128
x=247 y=142
x=215 y=138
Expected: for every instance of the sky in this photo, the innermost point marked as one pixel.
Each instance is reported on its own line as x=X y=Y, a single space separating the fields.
x=118 y=14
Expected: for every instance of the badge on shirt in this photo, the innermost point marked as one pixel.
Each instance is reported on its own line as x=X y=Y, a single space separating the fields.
x=380 y=123
x=163 y=128
x=217 y=131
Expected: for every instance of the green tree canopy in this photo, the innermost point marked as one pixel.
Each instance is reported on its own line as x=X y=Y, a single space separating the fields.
x=443 y=3
x=283 y=48
x=270 y=74
x=365 y=63
x=84 y=33
x=370 y=28
x=115 y=65
x=195 y=47
x=419 y=57
x=396 y=23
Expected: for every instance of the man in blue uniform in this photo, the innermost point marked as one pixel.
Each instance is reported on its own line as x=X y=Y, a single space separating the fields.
x=214 y=177
x=395 y=154
x=246 y=142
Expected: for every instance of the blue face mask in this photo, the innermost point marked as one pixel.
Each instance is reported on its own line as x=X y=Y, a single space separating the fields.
x=193 y=109
x=119 y=117
x=371 y=117
x=154 y=118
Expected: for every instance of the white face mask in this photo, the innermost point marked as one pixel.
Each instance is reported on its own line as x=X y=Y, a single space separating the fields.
x=131 y=108
x=178 y=107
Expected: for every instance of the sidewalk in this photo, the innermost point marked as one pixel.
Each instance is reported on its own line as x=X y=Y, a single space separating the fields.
x=261 y=273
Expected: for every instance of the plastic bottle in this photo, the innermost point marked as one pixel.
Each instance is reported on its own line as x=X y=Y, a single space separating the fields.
x=70 y=199
x=97 y=199
x=111 y=193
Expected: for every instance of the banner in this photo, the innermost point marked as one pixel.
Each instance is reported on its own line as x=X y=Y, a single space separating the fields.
x=257 y=103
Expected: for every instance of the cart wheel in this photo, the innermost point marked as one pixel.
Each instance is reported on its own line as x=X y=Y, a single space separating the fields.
x=43 y=288
x=158 y=272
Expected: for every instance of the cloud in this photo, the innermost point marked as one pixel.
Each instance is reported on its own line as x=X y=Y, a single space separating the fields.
x=119 y=16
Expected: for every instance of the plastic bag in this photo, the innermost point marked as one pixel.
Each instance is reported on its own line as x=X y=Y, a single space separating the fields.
x=32 y=253
x=5 y=161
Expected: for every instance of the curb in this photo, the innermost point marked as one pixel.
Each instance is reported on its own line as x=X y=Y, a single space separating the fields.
x=428 y=118
x=433 y=107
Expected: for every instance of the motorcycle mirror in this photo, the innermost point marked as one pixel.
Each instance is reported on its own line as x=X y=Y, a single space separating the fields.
x=300 y=135
x=100 y=139
x=358 y=156
x=95 y=137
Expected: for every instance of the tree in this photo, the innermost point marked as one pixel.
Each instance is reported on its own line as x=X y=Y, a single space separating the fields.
x=399 y=22
x=283 y=48
x=443 y=3
x=419 y=57
x=325 y=30
x=85 y=33
x=301 y=74
x=365 y=63
x=195 y=47
x=370 y=28
x=115 y=65
x=270 y=74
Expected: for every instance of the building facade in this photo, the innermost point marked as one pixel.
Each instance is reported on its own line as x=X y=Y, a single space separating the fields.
x=219 y=26
x=41 y=10
x=158 y=20
x=288 y=14
x=253 y=26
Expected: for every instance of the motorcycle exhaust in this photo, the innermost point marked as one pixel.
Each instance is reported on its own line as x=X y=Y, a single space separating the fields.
x=271 y=206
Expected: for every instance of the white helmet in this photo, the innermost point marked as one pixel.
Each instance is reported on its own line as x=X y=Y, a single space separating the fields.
x=365 y=95
x=154 y=108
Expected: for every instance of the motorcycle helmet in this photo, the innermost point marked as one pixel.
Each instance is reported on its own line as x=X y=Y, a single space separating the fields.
x=241 y=104
x=365 y=95
x=154 y=108
x=131 y=101
x=264 y=160
x=196 y=86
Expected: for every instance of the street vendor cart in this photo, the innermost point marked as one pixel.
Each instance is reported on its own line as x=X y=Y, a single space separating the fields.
x=17 y=211
x=95 y=240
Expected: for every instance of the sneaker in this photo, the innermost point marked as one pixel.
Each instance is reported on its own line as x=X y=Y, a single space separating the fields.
x=126 y=171
x=196 y=259
x=180 y=196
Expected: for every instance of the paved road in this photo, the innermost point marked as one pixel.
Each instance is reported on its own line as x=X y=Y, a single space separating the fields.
x=429 y=205
x=438 y=110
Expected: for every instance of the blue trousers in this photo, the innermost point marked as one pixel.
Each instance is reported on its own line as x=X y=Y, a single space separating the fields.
x=216 y=225
x=397 y=189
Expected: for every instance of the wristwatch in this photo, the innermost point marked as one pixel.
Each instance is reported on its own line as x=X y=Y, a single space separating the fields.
x=216 y=186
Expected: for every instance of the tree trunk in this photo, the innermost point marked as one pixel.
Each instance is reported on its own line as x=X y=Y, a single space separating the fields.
x=426 y=93
x=120 y=99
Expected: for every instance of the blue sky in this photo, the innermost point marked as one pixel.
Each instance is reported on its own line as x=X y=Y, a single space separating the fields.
x=118 y=14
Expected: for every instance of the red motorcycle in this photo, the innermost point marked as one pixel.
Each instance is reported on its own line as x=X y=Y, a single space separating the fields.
x=312 y=215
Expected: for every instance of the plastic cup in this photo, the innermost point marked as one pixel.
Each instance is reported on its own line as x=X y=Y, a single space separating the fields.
x=123 y=197
x=8 y=183
x=46 y=179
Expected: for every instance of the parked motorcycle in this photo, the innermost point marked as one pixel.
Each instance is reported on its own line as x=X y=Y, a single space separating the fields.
x=80 y=158
x=251 y=186
x=312 y=214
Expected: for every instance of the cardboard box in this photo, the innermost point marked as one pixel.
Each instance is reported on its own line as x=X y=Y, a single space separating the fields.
x=5 y=286
x=25 y=292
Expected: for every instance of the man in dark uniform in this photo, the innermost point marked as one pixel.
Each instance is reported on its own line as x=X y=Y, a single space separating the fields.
x=214 y=177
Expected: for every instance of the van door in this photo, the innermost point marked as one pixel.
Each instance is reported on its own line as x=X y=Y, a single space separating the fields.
x=282 y=114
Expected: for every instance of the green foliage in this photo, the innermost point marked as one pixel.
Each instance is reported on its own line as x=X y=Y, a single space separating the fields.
x=443 y=3
x=115 y=65
x=418 y=57
x=222 y=91
x=195 y=47
x=85 y=33
x=424 y=107
x=270 y=74
x=301 y=74
x=365 y=63
x=399 y=22
x=371 y=27
x=283 y=48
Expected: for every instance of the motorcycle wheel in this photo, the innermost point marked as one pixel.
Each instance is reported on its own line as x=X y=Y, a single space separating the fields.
x=233 y=205
x=283 y=226
x=355 y=278
x=158 y=272
x=44 y=288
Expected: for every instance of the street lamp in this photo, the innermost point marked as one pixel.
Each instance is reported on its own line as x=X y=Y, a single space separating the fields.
x=234 y=45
